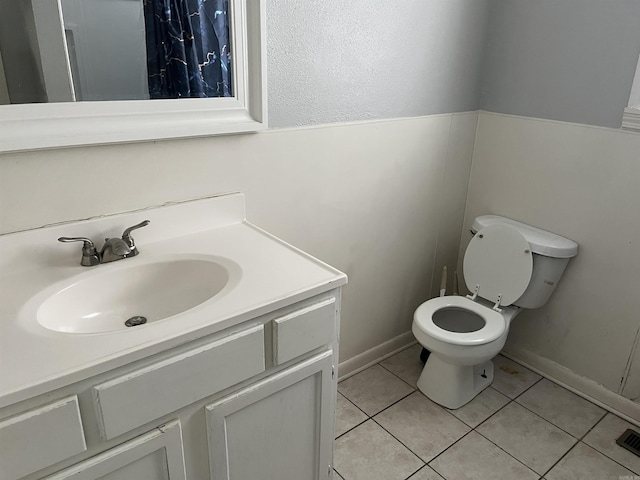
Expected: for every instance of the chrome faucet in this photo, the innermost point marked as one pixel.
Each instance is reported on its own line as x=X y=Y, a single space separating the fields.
x=112 y=250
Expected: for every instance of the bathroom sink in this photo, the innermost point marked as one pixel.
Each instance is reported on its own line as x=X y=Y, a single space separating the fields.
x=132 y=293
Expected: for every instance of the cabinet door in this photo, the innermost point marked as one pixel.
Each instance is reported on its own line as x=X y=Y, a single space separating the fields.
x=279 y=428
x=156 y=455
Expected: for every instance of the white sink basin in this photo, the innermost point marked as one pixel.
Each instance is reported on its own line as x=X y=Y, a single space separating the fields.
x=103 y=299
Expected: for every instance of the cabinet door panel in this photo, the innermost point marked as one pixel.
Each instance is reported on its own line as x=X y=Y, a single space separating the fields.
x=31 y=441
x=279 y=428
x=157 y=455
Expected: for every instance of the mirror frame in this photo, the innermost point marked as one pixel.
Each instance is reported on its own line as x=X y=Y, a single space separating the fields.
x=57 y=125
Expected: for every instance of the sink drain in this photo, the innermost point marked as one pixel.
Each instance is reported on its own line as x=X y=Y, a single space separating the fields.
x=135 y=321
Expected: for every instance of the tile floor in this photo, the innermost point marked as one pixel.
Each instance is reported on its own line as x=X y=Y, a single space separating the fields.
x=522 y=427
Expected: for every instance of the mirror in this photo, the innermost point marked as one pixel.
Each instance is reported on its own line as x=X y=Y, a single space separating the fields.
x=97 y=50
x=84 y=72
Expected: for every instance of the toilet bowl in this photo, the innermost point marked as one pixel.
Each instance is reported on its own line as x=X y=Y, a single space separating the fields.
x=508 y=266
x=462 y=336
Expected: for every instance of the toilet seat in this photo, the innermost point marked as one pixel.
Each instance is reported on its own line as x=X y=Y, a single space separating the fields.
x=495 y=324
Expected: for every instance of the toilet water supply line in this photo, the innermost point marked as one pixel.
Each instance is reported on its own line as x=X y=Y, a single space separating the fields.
x=455 y=282
x=443 y=282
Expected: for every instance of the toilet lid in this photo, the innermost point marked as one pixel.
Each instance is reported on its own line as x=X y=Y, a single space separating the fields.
x=498 y=259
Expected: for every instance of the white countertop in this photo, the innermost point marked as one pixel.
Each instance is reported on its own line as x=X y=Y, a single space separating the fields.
x=35 y=360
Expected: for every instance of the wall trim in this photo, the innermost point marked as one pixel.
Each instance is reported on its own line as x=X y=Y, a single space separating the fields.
x=582 y=386
x=366 y=359
x=557 y=122
x=272 y=130
x=631 y=119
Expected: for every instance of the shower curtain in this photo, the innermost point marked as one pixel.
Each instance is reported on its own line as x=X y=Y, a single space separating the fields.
x=188 y=48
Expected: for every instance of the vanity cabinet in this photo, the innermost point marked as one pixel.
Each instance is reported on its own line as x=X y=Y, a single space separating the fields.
x=255 y=400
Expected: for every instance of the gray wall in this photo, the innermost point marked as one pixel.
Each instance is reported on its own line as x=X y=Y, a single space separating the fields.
x=336 y=61
x=568 y=60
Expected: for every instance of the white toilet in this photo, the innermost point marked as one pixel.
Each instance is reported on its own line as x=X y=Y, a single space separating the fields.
x=508 y=265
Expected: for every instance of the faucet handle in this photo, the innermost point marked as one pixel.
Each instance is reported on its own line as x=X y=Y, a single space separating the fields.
x=87 y=241
x=126 y=236
x=90 y=255
x=127 y=233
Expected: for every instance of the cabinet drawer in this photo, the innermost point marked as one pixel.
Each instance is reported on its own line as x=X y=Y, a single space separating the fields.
x=141 y=396
x=41 y=437
x=303 y=330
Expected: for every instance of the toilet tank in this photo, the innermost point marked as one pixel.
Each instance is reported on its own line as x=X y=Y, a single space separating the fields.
x=551 y=254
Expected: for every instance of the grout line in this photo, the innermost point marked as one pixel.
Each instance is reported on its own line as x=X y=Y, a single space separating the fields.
x=528 y=388
x=493 y=414
x=500 y=448
x=358 y=424
x=596 y=449
x=414 y=390
x=511 y=400
x=443 y=451
x=412 y=386
x=413 y=473
x=579 y=439
x=557 y=426
x=401 y=443
x=392 y=404
x=352 y=403
x=574 y=446
x=352 y=428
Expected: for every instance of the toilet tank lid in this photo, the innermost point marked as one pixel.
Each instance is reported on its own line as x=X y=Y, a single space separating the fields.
x=541 y=242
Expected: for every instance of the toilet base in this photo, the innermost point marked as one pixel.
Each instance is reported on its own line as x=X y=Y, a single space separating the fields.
x=453 y=386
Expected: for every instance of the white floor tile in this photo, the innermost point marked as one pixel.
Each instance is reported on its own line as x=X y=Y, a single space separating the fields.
x=374 y=389
x=425 y=473
x=368 y=452
x=585 y=463
x=476 y=458
x=561 y=407
x=603 y=438
x=519 y=443
x=511 y=378
x=426 y=428
x=347 y=416
x=488 y=402
x=529 y=438
x=406 y=364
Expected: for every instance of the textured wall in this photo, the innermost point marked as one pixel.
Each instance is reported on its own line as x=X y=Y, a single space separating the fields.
x=570 y=60
x=337 y=61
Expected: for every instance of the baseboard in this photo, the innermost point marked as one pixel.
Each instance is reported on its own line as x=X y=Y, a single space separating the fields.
x=374 y=355
x=586 y=388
